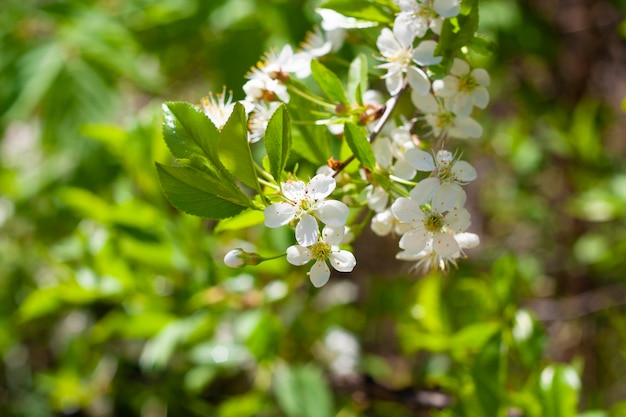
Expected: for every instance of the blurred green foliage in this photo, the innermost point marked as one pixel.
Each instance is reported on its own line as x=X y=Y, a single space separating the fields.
x=112 y=303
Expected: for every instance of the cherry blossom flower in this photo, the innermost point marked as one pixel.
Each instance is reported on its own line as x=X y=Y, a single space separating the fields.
x=464 y=88
x=218 y=108
x=323 y=252
x=305 y=204
x=417 y=16
x=397 y=49
x=428 y=259
x=442 y=120
x=260 y=116
x=449 y=174
x=430 y=225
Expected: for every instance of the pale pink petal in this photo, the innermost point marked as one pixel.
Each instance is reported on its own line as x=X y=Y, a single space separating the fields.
x=426 y=104
x=459 y=67
x=294 y=190
x=481 y=76
x=333 y=235
x=481 y=97
x=424 y=54
x=448 y=196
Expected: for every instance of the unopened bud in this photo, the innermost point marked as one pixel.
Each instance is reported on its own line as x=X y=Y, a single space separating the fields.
x=237 y=258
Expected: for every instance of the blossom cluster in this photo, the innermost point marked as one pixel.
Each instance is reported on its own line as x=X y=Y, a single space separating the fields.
x=416 y=187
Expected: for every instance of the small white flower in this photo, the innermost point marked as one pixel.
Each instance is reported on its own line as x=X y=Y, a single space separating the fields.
x=442 y=119
x=430 y=225
x=218 y=108
x=417 y=16
x=262 y=87
x=323 y=252
x=448 y=176
x=260 y=116
x=385 y=222
x=427 y=259
x=305 y=204
x=234 y=258
x=397 y=49
x=464 y=89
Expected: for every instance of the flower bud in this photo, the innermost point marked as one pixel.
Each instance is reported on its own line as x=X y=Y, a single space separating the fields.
x=238 y=257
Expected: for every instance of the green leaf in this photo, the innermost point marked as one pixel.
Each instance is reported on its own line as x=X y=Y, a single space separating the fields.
x=234 y=149
x=458 y=31
x=278 y=141
x=329 y=82
x=192 y=192
x=302 y=391
x=559 y=386
x=188 y=132
x=355 y=136
x=357 y=78
x=243 y=220
x=483 y=45
x=379 y=11
x=488 y=376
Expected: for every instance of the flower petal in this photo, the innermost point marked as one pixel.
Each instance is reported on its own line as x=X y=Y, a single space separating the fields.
x=294 y=190
x=382 y=223
x=333 y=235
x=307 y=231
x=446 y=87
x=445 y=245
x=481 y=97
x=466 y=127
x=342 y=260
x=448 y=196
x=424 y=54
x=426 y=104
x=421 y=160
x=393 y=81
x=425 y=190
x=447 y=8
x=298 y=255
x=463 y=171
x=457 y=220
x=408 y=211
x=459 y=67
x=414 y=240
x=467 y=240
x=481 y=76
x=403 y=170
x=319 y=274
x=321 y=186
x=332 y=212
x=418 y=80
x=387 y=43
x=462 y=104
x=279 y=214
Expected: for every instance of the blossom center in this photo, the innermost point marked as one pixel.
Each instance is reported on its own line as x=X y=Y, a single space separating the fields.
x=467 y=83
x=320 y=251
x=433 y=222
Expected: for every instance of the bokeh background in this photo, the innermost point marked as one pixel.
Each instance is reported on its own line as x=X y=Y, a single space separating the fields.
x=112 y=303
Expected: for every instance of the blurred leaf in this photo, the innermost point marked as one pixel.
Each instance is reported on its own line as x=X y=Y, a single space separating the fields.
x=355 y=136
x=188 y=132
x=302 y=391
x=278 y=141
x=483 y=45
x=358 y=79
x=328 y=81
x=559 y=385
x=245 y=219
x=487 y=374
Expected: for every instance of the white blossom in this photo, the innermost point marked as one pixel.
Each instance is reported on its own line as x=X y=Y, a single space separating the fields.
x=449 y=174
x=323 y=252
x=417 y=16
x=305 y=203
x=260 y=116
x=396 y=47
x=430 y=224
x=428 y=259
x=443 y=120
x=218 y=108
x=464 y=88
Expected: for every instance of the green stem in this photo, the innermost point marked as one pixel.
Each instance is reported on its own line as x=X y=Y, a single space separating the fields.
x=311 y=98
